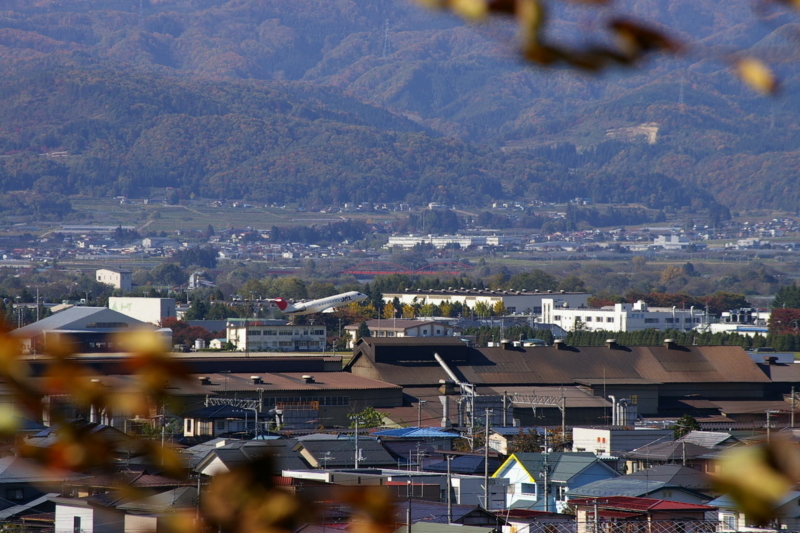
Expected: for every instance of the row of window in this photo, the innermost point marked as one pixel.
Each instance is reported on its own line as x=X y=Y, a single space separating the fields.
x=284 y=344
x=284 y=332
x=610 y=319
x=323 y=400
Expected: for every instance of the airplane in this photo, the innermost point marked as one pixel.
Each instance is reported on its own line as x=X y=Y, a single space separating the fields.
x=323 y=305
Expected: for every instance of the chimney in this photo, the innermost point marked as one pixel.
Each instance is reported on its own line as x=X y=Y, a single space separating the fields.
x=257 y=380
x=308 y=378
x=560 y=344
x=505 y=344
x=204 y=380
x=770 y=360
x=611 y=344
x=670 y=344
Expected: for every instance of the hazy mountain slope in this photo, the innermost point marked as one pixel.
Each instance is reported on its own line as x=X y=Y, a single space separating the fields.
x=336 y=84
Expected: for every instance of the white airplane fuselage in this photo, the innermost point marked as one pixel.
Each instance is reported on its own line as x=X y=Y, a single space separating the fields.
x=321 y=305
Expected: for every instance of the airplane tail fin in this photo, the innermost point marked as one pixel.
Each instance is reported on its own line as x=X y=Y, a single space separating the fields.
x=281 y=303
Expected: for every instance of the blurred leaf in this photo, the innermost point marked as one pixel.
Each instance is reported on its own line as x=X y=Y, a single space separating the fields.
x=757 y=477
x=757 y=75
x=474 y=10
x=635 y=39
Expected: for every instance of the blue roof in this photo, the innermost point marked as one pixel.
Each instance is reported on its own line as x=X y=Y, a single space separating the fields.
x=466 y=464
x=416 y=433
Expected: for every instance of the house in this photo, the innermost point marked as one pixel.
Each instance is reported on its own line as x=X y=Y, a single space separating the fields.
x=648 y=514
x=215 y=420
x=501 y=438
x=97 y=513
x=672 y=452
x=336 y=452
x=786 y=511
x=153 y=513
x=613 y=441
x=116 y=277
x=230 y=455
x=642 y=487
x=24 y=482
x=526 y=473
x=402 y=327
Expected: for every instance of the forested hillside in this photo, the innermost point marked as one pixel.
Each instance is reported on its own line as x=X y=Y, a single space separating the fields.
x=378 y=100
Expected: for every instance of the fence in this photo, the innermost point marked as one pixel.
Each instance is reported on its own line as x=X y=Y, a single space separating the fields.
x=619 y=526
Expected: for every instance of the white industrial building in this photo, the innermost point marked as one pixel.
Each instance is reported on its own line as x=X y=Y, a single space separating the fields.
x=619 y=317
x=443 y=241
x=150 y=310
x=116 y=277
x=672 y=242
x=522 y=302
x=257 y=335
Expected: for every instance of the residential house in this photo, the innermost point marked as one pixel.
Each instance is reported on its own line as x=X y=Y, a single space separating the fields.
x=154 y=512
x=346 y=452
x=786 y=511
x=613 y=441
x=673 y=452
x=231 y=455
x=96 y=514
x=542 y=481
x=640 y=514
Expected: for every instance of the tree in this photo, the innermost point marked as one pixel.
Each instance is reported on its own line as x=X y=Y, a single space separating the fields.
x=788 y=296
x=684 y=425
x=363 y=331
x=368 y=418
x=529 y=442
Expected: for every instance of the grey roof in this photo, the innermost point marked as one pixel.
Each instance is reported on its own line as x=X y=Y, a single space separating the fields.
x=563 y=465
x=219 y=411
x=9 y=512
x=76 y=318
x=681 y=476
x=20 y=470
x=626 y=486
x=433 y=527
x=621 y=486
x=341 y=452
x=668 y=452
x=240 y=453
x=436 y=512
x=709 y=439
x=177 y=498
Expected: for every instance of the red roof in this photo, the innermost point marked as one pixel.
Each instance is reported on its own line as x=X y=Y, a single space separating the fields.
x=630 y=503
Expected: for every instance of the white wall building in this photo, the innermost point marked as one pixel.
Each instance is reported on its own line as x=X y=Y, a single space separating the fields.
x=150 y=310
x=403 y=327
x=620 y=317
x=615 y=441
x=672 y=242
x=116 y=277
x=274 y=336
x=523 y=302
x=442 y=241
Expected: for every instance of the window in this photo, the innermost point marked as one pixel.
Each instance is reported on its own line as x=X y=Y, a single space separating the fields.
x=270 y=332
x=528 y=488
x=220 y=424
x=634 y=399
x=556 y=317
x=728 y=522
x=588 y=319
x=688 y=320
x=610 y=319
x=651 y=321
x=189 y=423
x=14 y=494
x=668 y=321
x=76 y=524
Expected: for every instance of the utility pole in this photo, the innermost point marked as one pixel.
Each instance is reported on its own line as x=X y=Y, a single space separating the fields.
x=408 y=511
x=791 y=423
x=486 y=461
x=545 y=473
x=420 y=403
x=356 y=439
x=448 y=458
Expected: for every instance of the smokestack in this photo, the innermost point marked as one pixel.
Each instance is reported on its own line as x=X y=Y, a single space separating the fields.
x=560 y=344
x=611 y=343
x=670 y=344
